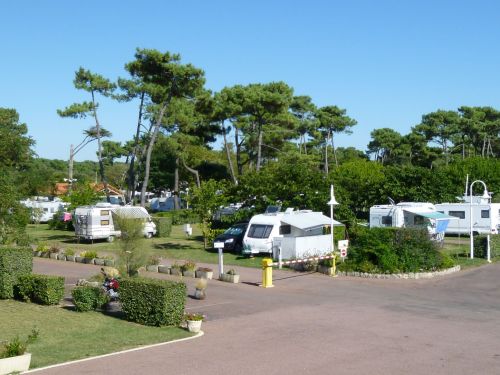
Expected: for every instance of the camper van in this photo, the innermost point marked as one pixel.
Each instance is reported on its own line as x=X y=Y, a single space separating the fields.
x=42 y=209
x=98 y=222
x=293 y=233
x=411 y=215
x=485 y=216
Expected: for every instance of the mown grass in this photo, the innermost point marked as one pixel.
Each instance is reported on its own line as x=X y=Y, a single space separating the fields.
x=68 y=335
x=459 y=250
x=175 y=247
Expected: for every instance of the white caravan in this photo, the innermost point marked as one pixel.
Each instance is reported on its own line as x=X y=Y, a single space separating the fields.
x=42 y=209
x=485 y=216
x=295 y=233
x=411 y=215
x=97 y=222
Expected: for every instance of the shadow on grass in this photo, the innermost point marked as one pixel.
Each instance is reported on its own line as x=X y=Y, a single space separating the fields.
x=173 y=246
x=112 y=309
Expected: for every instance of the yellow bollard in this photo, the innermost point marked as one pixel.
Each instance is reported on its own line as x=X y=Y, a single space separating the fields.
x=334 y=265
x=267 y=273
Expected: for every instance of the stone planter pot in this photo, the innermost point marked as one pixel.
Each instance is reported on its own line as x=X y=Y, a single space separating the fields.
x=194 y=325
x=61 y=257
x=45 y=254
x=99 y=262
x=88 y=260
x=36 y=253
x=200 y=293
x=230 y=278
x=109 y=262
x=152 y=268
x=204 y=274
x=78 y=259
x=16 y=364
x=325 y=270
x=188 y=273
x=164 y=269
x=53 y=256
x=176 y=271
x=70 y=258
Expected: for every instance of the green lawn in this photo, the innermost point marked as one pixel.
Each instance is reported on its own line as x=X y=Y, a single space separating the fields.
x=68 y=335
x=459 y=250
x=177 y=246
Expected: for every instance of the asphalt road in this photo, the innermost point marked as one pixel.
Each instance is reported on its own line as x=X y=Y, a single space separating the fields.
x=314 y=324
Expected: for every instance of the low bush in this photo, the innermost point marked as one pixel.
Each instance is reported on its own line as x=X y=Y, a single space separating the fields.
x=42 y=289
x=89 y=254
x=188 y=265
x=163 y=226
x=87 y=298
x=16 y=346
x=180 y=217
x=481 y=246
x=153 y=302
x=14 y=263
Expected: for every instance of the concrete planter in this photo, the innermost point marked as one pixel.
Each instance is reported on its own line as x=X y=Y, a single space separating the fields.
x=79 y=259
x=99 y=262
x=325 y=270
x=37 y=253
x=61 y=257
x=53 y=256
x=88 y=260
x=164 y=269
x=176 y=271
x=204 y=274
x=194 y=325
x=109 y=262
x=152 y=268
x=188 y=273
x=230 y=278
x=70 y=258
x=16 y=364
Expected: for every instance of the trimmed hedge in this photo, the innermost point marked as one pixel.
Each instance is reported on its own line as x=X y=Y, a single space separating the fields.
x=14 y=262
x=87 y=298
x=42 y=289
x=481 y=249
x=163 y=226
x=153 y=302
x=180 y=217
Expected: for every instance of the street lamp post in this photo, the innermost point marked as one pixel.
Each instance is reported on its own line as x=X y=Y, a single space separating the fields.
x=332 y=202
x=487 y=196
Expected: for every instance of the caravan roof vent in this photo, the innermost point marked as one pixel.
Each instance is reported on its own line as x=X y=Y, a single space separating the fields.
x=272 y=209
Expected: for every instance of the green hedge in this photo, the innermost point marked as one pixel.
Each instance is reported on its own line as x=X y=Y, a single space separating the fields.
x=87 y=298
x=42 y=289
x=163 y=226
x=153 y=302
x=14 y=262
x=480 y=246
x=180 y=217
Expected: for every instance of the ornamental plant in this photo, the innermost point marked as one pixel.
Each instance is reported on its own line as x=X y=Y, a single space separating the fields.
x=16 y=346
x=194 y=316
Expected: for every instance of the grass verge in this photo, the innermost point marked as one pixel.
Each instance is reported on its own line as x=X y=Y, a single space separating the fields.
x=67 y=335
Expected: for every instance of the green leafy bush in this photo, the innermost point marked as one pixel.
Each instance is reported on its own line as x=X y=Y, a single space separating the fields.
x=89 y=254
x=481 y=246
x=163 y=226
x=14 y=263
x=42 y=289
x=87 y=298
x=188 y=265
x=16 y=346
x=180 y=217
x=153 y=302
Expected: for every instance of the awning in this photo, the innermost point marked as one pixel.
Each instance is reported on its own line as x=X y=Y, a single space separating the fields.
x=436 y=215
x=131 y=212
x=306 y=221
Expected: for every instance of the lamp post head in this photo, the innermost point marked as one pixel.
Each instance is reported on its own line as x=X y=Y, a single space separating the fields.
x=332 y=201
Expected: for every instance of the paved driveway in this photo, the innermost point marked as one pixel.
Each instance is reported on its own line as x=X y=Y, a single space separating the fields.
x=314 y=324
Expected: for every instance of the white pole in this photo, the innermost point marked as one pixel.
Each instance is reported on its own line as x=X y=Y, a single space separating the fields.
x=331 y=218
x=471 y=224
x=488 y=253
x=221 y=263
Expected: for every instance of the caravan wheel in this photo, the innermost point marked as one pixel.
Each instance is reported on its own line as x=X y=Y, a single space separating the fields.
x=149 y=235
x=111 y=238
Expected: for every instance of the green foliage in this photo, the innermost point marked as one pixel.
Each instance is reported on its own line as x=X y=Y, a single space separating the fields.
x=131 y=255
x=90 y=254
x=16 y=346
x=41 y=289
x=153 y=302
x=481 y=246
x=188 y=265
x=15 y=262
x=82 y=195
x=180 y=217
x=88 y=298
x=210 y=234
x=163 y=226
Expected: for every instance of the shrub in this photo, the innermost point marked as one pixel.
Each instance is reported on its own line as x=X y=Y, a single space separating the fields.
x=16 y=346
x=188 y=265
x=154 y=260
x=232 y=271
x=43 y=247
x=42 y=289
x=180 y=217
x=163 y=226
x=194 y=316
x=89 y=254
x=69 y=252
x=481 y=246
x=14 y=263
x=87 y=298
x=153 y=302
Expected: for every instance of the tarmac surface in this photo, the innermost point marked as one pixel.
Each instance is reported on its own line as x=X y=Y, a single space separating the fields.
x=314 y=324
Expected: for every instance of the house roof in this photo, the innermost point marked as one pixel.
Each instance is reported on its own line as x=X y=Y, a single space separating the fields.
x=307 y=221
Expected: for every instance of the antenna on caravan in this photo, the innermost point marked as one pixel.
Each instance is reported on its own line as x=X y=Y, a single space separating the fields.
x=391 y=201
x=466 y=186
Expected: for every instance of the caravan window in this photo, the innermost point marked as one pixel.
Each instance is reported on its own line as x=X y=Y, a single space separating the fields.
x=387 y=220
x=459 y=214
x=104 y=222
x=285 y=229
x=485 y=214
x=259 y=231
x=104 y=212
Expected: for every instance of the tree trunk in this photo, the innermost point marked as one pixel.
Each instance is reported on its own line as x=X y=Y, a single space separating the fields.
x=228 y=155
x=238 y=151
x=334 y=152
x=176 y=185
x=131 y=179
x=326 y=156
x=70 y=168
x=193 y=171
x=99 y=148
x=259 y=148
x=150 y=151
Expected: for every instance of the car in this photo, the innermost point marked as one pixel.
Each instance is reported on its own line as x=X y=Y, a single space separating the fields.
x=233 y=237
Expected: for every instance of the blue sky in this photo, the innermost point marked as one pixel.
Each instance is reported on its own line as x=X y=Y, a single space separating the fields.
x=385 y=62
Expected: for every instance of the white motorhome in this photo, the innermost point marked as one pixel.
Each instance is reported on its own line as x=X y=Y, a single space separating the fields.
x=42 y=209
x=485 y=216
x=411 y=215
x=98 y=222
x=295 y=233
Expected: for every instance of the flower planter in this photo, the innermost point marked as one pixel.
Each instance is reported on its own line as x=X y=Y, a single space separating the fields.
x=194 y=325
x=109 y=262
x=164 y=269
x=152 y=268
x=45 y=254
x=79 y=259
x=16 y=364
x=175 y=271
x=200 y=293
x=53 y=256
x=99 y=262
x=70 y=258
x=205 y=275
x=325 y=270
x=36 y=253
x=88 y=260
x=61 y=257
x=188 y=273
x=230 y=278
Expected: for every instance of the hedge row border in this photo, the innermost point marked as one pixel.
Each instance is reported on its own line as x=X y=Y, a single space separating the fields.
x=411 y=275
